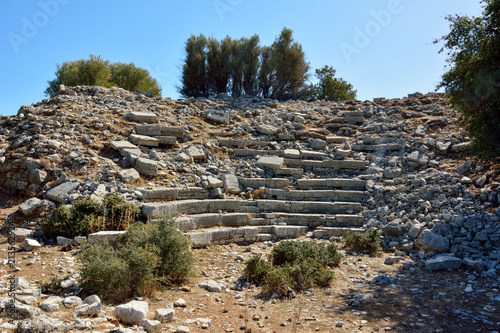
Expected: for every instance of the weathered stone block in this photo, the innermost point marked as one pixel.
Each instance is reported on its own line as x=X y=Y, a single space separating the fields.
x=146 y=166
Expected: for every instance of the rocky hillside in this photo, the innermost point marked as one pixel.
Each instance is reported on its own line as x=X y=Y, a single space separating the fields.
x=247 y=169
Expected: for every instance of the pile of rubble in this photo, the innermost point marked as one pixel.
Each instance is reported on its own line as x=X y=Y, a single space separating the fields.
x=249 y=169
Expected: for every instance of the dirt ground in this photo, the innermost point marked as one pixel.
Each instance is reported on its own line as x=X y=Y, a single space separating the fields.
x=367 y=296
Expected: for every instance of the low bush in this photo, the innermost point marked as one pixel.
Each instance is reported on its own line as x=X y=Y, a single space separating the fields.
x=63 y=222
x=145 y=258
x=168 y=244
x=369 y=241
x=293 y=265
x=89 y=216
x=119 y=215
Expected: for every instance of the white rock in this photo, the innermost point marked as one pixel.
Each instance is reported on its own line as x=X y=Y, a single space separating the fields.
x=165 y=315
x=151 y=325
x=132 y=313
x=29 y=244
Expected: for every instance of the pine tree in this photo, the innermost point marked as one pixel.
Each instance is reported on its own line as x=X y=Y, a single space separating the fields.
x=250 y=65
x=290 y=66
x=266 y=73
x=194 y=70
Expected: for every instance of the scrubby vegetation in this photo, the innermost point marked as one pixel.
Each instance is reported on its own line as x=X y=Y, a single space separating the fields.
x=361 y=241
x=89 y=215
x=146 y=258
x=293 y=266
x=98 y=72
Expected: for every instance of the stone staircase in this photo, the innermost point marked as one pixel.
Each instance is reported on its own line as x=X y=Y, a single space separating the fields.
x=283 y=207
x=298 y=190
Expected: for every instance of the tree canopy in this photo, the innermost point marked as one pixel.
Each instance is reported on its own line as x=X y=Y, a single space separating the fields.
x=472 y=79
x=98 y=72
x=240 y=67
x=331 y=88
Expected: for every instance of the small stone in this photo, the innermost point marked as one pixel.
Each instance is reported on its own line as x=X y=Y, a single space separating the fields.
x=211 y=286
x=391 y=260
x=151 y=325
x=182 y=329
x=165 y=315
x=180 y=303
x=29 y=244
x=129 y=175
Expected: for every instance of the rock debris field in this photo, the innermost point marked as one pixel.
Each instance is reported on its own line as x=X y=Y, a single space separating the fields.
x=241 y=175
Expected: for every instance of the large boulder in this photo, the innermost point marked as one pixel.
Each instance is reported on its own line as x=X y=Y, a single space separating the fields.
x=430 y=241
x=443 y=262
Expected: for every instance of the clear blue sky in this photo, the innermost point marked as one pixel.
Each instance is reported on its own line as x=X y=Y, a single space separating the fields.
x=383 y=47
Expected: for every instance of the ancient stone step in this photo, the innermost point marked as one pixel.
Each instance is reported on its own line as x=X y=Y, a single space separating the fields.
x=242 y=143
x=243 y=152
x=156 y=210
x=308 y=207
x=220 y=236
x=313 y=221
x=331 y=183
x=161 y=130
x=379 y=147
x=174 y=193
x=210 y=220
x=315 y=195
x=298 y=172
x=287 y=153
x=327 y=232
x=265 y=182
x=143 y=117
x=332 y=164
x=144 y=140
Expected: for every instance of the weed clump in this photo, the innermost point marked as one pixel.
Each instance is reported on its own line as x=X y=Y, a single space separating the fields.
x=294 y=266
x=146 y=258
x=89 y=215
x=369 y=241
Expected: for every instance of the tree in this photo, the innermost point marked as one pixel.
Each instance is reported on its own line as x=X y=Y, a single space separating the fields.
x=194 y=71
x=330 y=88
x=92 y=72
x=250 y=64
x=132 y=78
x=242 y=67
x=236 y=68
x=472 y=79
x=218 y=72
x=290 y=67
x=265 y=76
x=98 y=72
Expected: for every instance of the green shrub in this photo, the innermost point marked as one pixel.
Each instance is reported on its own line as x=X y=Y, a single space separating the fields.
x=53 y=286
x=169 y=245
x=62 y=223
x=98 y=72
x=115 y=274
x=145 y=258
x=293 y=265
x=256 y=269
x=119 y=215
x=90 y=216
x=296 y=252
x=360 y=241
